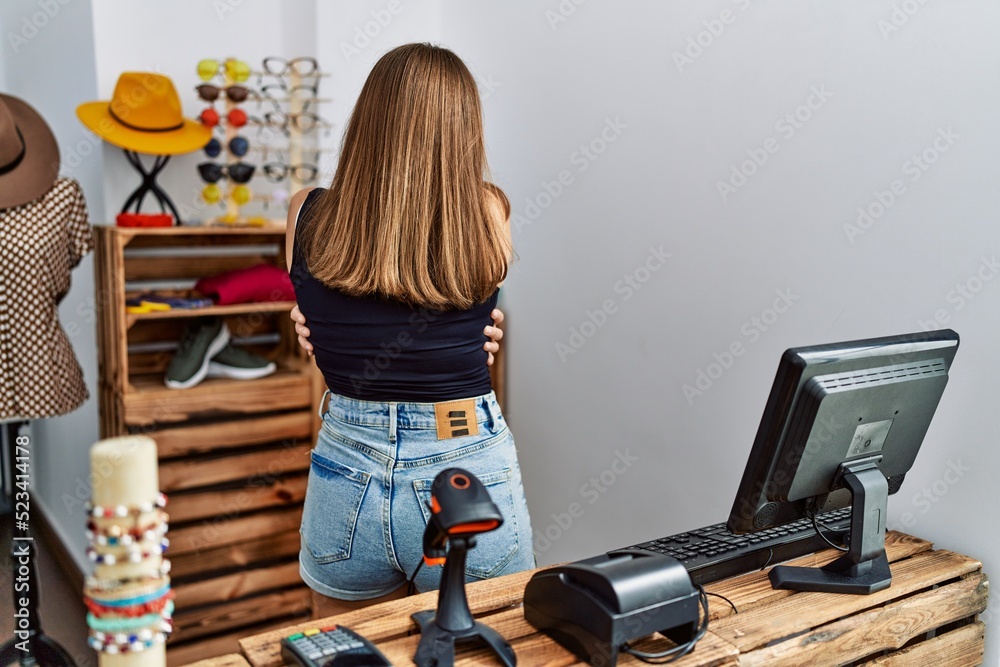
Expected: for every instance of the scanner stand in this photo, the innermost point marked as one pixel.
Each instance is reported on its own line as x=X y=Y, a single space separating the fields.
x=453 y=621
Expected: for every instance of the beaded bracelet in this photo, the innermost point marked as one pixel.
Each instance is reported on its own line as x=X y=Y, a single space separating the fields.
x=131 y=545
x=116 y=534
x=96 y=584
x=125 y=510
x=134 y=646
x=122 y=625
x=157 y=606
x=133 y=557
x=138 y=599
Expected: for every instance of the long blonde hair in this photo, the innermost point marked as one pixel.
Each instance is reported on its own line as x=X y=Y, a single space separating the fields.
x=409 y=215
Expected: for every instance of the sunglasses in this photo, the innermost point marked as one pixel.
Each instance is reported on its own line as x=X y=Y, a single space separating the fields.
x=304 y=122
x=238 y=146
x=313 y=89
x=236 y=117
x=210 y=92
x=234 y=70
x=213 y=172
x=281 y=66
x=278 y=171
x=212 y=194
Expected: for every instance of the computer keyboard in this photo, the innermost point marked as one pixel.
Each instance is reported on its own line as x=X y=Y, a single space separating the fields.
x=712 y=553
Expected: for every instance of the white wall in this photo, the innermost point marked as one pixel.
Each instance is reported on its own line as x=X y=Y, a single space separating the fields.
x=50 y=63
x=551 y=88
x=656 y=184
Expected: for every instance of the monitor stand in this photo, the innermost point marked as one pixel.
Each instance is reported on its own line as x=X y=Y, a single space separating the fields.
x=864 y=569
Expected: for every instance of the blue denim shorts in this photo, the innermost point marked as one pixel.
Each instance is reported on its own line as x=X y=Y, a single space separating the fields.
x=368 y=498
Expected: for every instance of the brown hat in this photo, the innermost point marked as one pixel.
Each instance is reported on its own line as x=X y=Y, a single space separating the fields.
x=29 y=154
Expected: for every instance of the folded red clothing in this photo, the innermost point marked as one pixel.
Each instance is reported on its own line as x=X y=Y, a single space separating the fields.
x=263 y=282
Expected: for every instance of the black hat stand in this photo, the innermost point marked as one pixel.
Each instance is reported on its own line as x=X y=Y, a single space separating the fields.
x=149 y=185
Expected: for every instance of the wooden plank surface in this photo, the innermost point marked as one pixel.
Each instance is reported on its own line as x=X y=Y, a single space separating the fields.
x=218 y=645
x=248 y=581
x=254 y=551
x=188 y=440
x=112 y=357
x=270 y=229
x=392 y=619
x=259 y=494
x=753 y=589
x=888 y=627
x=802 y=611
x=212 y=619
x=149 y=401
x=189 y=266
x=258 y=465
x=959 y=648
x=224 y=530
x=229 y=660
x=229 y=309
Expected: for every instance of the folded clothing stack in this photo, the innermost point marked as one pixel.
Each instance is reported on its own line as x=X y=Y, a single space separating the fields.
x=260 y=283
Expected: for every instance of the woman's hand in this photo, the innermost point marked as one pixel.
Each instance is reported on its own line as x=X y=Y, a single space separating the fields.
x=494 y=333
x=301 y=329
x=492 y=346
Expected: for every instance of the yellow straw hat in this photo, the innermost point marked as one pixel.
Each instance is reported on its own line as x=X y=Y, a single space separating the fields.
x=144 y=115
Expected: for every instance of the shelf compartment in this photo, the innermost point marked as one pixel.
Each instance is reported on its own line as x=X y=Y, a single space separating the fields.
x=230 y=309
x=149 y=401
x=260 y=464
x=284 y=491
x=205 y=438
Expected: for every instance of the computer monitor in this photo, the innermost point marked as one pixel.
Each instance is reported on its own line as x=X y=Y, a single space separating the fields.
x=842 y=426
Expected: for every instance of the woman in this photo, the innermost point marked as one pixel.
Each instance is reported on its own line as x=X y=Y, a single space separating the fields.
x=396 y=269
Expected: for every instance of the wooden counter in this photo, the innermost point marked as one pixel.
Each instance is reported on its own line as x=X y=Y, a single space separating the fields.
x=927 y=617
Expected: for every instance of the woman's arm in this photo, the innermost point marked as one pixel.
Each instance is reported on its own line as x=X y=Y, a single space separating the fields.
x=294 y=205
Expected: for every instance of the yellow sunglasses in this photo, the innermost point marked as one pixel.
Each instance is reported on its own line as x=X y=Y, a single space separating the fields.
x=235 y=70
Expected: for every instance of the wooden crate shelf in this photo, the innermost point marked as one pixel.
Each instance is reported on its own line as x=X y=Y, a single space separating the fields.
x=233 y=454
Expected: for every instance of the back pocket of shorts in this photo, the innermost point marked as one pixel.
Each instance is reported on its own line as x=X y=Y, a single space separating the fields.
x=333 y=500
x=493 y=550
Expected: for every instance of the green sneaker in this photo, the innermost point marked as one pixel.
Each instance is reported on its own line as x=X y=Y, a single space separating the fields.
x=204 y=338
x=238 y=364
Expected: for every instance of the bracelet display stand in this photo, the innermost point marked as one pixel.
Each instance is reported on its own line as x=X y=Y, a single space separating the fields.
x=125 y=477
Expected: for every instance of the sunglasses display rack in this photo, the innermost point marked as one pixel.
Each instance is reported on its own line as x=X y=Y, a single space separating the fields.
x=287 y=124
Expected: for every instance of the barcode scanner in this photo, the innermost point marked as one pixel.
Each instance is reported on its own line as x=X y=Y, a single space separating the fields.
x=460 y=506
x=461 y=509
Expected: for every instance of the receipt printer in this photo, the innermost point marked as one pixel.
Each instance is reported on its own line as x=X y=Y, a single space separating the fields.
x=593 y=606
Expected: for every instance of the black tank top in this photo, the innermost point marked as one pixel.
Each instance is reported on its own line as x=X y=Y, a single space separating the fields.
x=375 y=349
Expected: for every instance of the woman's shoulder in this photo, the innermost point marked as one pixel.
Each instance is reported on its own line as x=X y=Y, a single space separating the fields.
x=295 y=206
